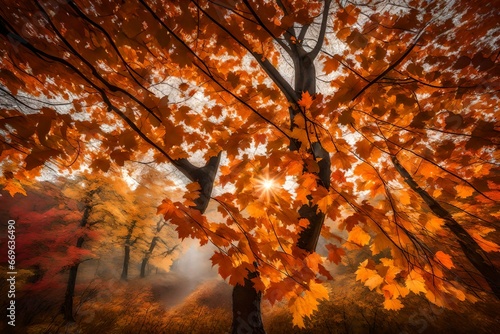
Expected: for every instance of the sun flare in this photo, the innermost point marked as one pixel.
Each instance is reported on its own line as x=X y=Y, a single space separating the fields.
x=267 y=184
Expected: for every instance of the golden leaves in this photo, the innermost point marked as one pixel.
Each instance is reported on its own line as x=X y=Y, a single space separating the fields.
x=393 y=304
x=358 y=236
x=304 y=305
x=415 y=283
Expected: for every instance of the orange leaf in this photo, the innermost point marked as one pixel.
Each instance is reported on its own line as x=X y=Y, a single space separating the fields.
x=13 y=187
x=464 y=191
x=445 y=259
x=358 y=236
x=335 y=253
x=306 y=100
x=393 y=304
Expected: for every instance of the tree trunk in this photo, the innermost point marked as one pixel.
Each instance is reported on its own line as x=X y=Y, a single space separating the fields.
x=146 y=257
x=128 y=243
x=246 y=298
x=67 y=306
x=126 y=260
x=247 y=317
x=474 y=253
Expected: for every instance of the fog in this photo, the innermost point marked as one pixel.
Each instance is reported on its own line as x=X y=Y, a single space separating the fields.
x=191 y=269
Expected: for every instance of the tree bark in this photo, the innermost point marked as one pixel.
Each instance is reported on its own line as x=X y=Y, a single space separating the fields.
x=474 y=253
x=126 y=257
x=67 y=306
x=126 y=260
x=148 y=254
x=247 y=317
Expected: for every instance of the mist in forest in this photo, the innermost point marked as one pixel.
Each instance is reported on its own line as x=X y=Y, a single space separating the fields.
x=187 y=273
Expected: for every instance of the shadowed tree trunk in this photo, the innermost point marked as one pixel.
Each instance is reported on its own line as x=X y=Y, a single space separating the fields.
x=474 y=253
x=148 y=255
x=67 y=306
x=246 y=308
x=126 y=257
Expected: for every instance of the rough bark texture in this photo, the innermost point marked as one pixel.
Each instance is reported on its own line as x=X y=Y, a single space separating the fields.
x=474 y=253
x=67 y=306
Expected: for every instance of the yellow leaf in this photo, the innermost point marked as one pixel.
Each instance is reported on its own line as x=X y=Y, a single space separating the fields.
x=363 y=274
x=415 y=283
x=298 y=307
x=395 y=290
x=313 y=260
x=393 y=304
x=358 y=236
x=380 y=242
x=444 y=259
x=374 y=281
x=463 y=191
x=318 y=291
x=302 y=307
x=391 y=274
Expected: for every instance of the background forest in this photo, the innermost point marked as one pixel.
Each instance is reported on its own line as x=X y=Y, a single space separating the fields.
x=249 y=166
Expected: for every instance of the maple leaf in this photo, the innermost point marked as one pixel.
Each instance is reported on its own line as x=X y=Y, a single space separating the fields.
x=306 y=100
x=464 y=191
x=415 y=283
x=358 y=236
x=374 y=281
x=393 y=304
x=14 y=187
x=335 y=253
x=256 y=210
x=394 y=290
x=224 y=262
x=302 y=307
x=444 y=259
x=325 y=202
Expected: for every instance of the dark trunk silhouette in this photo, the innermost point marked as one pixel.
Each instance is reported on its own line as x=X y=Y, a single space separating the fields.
x=147 y=256
x=246 y=309
x=126 y=260
x=67 y=306
x=474 y=253
x=126 y=257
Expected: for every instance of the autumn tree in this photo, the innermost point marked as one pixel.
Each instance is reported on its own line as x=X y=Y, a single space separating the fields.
x=379 y=117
